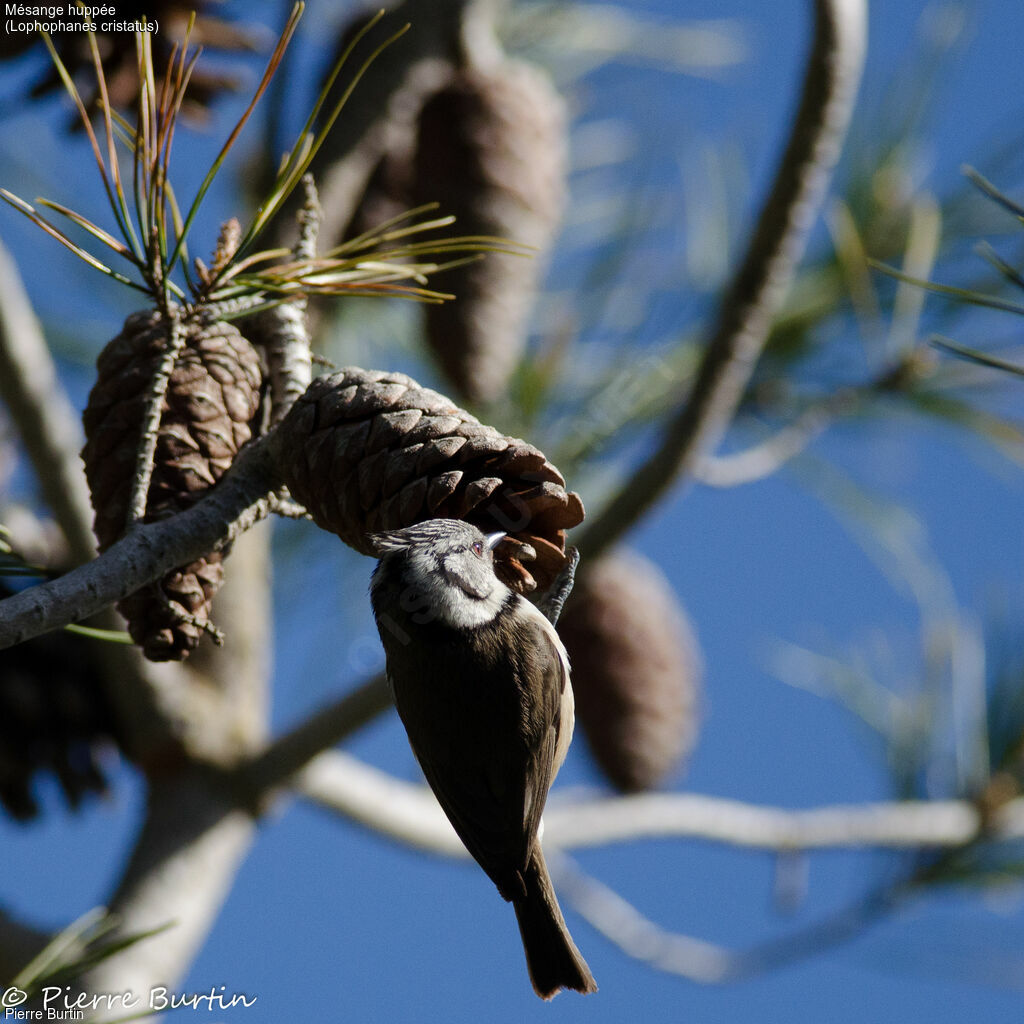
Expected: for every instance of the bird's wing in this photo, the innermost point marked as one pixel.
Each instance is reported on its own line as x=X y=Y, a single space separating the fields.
x=488 y=745
x=552 y=711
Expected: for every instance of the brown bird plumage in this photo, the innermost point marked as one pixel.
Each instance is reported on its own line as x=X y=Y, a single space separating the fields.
x=488 y=708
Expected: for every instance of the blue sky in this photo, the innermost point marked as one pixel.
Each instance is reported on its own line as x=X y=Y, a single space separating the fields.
x=328 y=922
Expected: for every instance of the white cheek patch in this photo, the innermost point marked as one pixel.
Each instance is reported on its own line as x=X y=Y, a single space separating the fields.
x=455 y=572
x=440 y=597
x=457 y=608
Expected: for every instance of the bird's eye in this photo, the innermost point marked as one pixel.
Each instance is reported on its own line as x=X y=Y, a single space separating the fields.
x=478 y=548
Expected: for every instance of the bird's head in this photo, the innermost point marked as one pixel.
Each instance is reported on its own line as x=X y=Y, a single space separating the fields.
x=447 y=569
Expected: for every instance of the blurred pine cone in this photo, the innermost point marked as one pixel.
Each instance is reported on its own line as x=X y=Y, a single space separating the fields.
x=208 y=414
x=366 y=451
x=389 y=190
x=53 y=717
x=118 y=56
x=491 y=149
x=635 y=670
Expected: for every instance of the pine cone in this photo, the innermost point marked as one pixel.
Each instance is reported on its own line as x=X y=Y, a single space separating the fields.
x=491 y=150
x=388 y=192
x=53 y=717
x=635 y=670
x=365 y=451
x=386 y=196
x=211 y=401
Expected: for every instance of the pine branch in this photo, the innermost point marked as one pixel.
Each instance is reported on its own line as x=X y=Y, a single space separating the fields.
x=195 y=834
x=238 y=501
x=281 y=331
x=410 y=814
x=290 y=753
x=760 y=284
x=696 y=959
x=769 y=456
x=47 y=423
x=151 y=416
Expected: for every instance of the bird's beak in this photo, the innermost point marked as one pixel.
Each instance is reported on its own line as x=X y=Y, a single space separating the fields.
x=494 y=539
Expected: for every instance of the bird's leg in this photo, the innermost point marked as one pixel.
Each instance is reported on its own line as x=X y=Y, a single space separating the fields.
x=556 y=595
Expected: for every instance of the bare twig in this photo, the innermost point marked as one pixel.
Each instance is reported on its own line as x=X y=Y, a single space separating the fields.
x=310 y=217
x=762 y=460
x=760 y=285
x=46 y=421
x=281 y=331
x=238 y=501
x=151 y=416
x=291 y=752
x=403 y=811
x=636 y=935
x=893 y=825
x=766 y=458
x=410 y=813
x=705 y=962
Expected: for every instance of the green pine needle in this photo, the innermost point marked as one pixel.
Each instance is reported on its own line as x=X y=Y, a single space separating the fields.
x=984 y=185
x=974 y=356
x=964 y=294
x=112 y=636
x=152 y=230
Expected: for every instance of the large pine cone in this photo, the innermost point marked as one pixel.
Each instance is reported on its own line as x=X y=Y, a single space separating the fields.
x=389 y=191
x=635 y=670
x=366 y=451
x=491 y=150
x=53 y=717
x=208 y=412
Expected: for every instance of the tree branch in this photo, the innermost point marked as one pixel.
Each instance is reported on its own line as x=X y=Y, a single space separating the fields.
x=179 y=873
x=281 y=331
x=762 y=460
x=636 y=935
x=410 y=813
x=50 y=431
x=152 y=414
x=401 y=810
x=759 y=287
x=696 y=959
x=148 y=551
x=890 y=825
x=195 y=834
x=45 y=418
x=290 y=753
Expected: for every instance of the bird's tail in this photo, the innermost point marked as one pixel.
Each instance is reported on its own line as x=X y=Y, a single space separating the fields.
x=552 y=958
